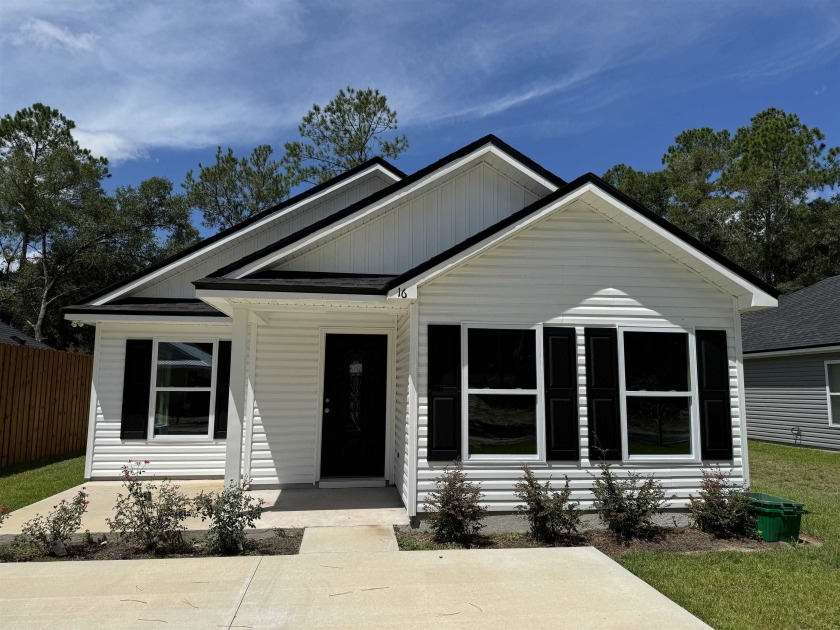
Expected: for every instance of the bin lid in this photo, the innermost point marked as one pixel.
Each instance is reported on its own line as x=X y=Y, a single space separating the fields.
x=771 y=501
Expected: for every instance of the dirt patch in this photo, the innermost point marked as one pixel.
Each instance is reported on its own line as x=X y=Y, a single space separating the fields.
x=271 y=542
x=668 y=539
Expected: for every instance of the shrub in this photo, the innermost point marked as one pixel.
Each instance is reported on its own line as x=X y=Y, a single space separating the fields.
x=4 y=514
x=550 y=514
x=149 y=515
x=723 y=508
x=455 y=511
x=627 y=506
x=52 y=532
x=229 y=512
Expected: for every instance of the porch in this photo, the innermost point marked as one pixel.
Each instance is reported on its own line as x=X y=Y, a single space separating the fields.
x=284 y=508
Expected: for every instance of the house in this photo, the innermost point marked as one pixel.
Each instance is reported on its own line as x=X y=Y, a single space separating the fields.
x=14 y=337
x=376 y=327
x=792 y=368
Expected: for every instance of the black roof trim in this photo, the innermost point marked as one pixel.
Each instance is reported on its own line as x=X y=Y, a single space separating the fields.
x=252 y=219
x=589 y=178
x=302 y=282
x=148 y=306
x=791 y=349
x=388 y=190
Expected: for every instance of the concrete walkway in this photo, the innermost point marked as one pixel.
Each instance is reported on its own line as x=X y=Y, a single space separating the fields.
x=293 y=507
x=548 y=588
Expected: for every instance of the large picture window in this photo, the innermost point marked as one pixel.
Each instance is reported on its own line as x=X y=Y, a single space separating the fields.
x=183 y=388
x=659 y=415
x=832 y=377
x=501 y=403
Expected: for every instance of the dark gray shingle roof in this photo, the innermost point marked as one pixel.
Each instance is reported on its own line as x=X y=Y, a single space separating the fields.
x=806 y=319
x=302 y=282
x=13 y=336
x=148 y=306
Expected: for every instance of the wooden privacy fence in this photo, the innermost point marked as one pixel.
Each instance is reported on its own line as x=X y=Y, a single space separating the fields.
x=43 y=403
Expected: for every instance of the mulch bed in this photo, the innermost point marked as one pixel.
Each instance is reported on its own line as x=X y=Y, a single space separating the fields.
x=668 y=539
x=264 y=542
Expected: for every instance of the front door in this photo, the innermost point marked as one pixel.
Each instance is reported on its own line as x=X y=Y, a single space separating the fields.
x=355 y=385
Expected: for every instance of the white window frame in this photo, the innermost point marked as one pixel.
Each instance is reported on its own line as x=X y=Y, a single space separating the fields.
x=694 y=406
x=466 y=391
x=834 y=422
x=211 y=424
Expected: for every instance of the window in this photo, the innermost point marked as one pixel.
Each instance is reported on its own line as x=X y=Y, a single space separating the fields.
x=183 y=388
x=832 y=379
x=501 y=402
x=658 y=402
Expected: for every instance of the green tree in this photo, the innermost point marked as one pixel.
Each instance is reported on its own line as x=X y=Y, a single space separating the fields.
x=345 y=133
x=233 y=189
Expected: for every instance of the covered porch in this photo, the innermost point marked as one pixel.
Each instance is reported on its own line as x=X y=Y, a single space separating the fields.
x=319 y=388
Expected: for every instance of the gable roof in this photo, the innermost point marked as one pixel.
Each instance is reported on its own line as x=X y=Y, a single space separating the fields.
x=588 y=179
x=242 y=225
x=14 y=337
x=809 y=318
x=388 y=191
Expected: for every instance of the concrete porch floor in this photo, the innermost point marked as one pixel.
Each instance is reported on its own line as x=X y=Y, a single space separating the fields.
x=291 y=507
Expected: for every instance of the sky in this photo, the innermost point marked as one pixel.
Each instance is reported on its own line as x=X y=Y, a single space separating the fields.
x=576 y=86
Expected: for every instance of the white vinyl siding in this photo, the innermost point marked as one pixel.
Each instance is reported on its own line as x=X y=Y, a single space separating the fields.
x=787 y=402
x=286 y=389
x=178 y=283
x=419 y=227
x=574 y=268
x=172 y=457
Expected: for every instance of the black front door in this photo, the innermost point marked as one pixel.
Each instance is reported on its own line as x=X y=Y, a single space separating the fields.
x=355 y=383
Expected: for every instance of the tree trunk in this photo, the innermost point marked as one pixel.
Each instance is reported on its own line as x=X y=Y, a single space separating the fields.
x=24 y=248
x=45 y=294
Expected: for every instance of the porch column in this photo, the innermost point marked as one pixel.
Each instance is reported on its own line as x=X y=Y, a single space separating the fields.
x=236 y=397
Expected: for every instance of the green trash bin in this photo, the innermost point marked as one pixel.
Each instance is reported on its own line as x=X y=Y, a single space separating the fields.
x=777 y=518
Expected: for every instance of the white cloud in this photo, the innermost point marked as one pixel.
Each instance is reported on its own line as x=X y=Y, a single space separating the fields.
x=48 y=35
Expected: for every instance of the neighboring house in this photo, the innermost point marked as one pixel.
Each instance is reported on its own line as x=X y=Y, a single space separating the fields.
x=14 y=337
x=792 y=368
x=378 y=326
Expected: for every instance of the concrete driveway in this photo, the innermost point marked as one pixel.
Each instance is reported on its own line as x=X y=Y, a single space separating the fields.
x=528 y=588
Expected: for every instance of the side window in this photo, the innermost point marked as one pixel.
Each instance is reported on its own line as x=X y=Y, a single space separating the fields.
x=832 y=373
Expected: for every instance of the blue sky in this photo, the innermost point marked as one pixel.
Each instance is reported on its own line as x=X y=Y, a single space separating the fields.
x=578 y=86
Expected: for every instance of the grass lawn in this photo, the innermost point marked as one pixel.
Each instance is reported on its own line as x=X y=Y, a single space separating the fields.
x=23 y=485
x=793 y=588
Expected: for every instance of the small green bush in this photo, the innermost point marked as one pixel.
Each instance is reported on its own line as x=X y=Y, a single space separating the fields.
x=723 y=508
x=550 y=515
x=455 y=509
x=627 y=506
x=229 y=512
x=4 y=514
x=52 y=532
x=150 y=515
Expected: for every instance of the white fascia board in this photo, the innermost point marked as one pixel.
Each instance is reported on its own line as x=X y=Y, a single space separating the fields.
x=238 y=234
x=783 y=353
x=269 y=259
x=410 y=287
x=94 y=318
x=757 y=298
x=542 y=181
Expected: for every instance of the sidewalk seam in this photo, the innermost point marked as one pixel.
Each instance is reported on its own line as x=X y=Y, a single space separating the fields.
x=245 y=592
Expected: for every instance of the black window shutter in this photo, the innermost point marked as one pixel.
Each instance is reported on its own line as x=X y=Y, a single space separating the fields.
x=602 y=393
x=444 y=378
x=137 y=382
x=222 y=390
x=713 y=389
x=561 y=400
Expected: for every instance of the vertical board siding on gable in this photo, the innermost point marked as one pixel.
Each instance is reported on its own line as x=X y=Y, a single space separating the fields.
x=286 y=404
x=788 y=392
x=178 y=284
x=401 y=415
x=419 y=227
x=577 y=269
x=170 y=458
